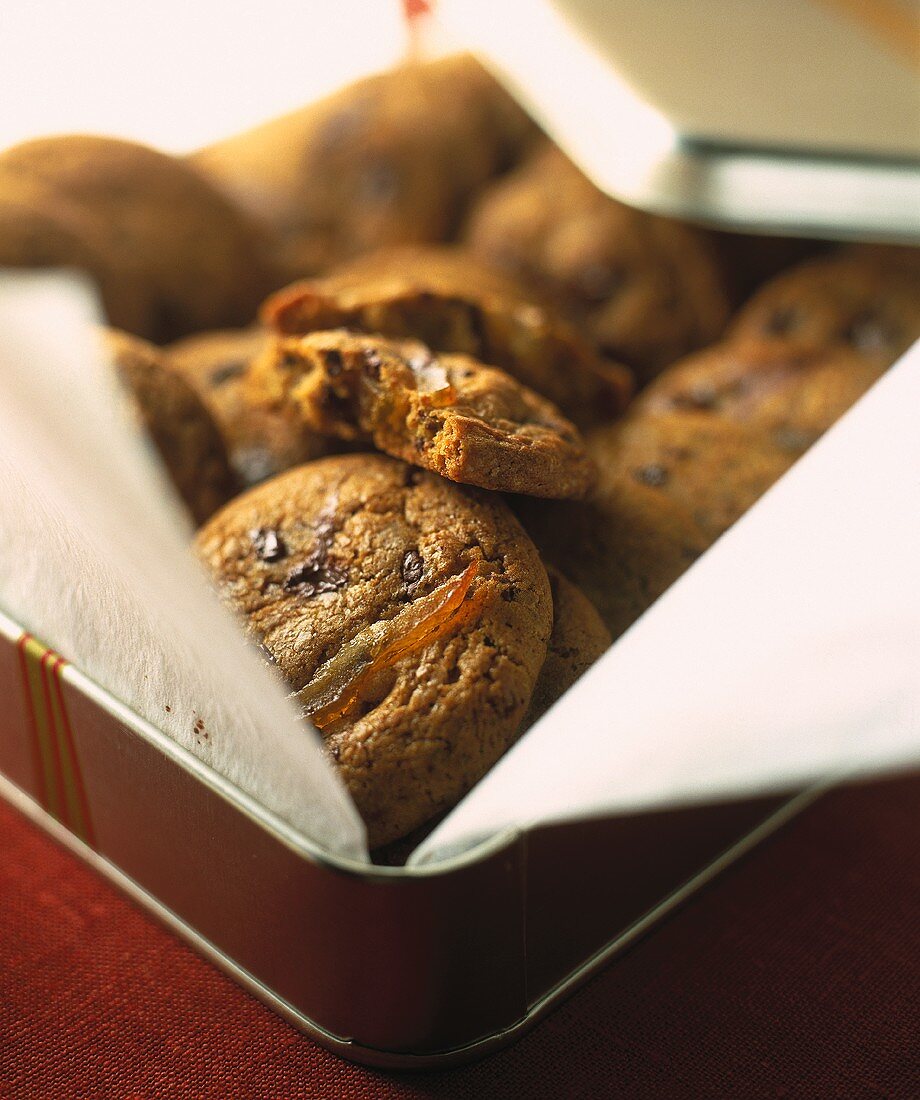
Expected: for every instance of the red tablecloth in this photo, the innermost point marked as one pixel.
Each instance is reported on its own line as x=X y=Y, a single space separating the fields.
x=795 y=974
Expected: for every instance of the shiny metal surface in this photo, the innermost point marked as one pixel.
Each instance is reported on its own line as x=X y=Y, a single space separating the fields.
x=787 y=118
x=384 y=966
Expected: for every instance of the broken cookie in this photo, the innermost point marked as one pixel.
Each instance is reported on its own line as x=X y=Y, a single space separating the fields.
x=261 y=443
x=452 y=302
x=448 y=413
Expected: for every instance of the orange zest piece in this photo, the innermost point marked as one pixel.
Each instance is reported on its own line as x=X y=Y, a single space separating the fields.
x=336 y=691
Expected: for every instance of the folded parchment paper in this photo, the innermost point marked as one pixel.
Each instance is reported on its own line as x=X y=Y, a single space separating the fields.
x=789 y=653
x=94 y=562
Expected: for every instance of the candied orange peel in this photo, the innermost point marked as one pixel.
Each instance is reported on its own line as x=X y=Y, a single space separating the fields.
x=336 y=691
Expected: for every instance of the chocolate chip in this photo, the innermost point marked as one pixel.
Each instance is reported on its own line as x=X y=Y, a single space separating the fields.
x=509 y=594
x=226 y=373
x=311 y=579
x=268 y=544
x=782 y=321
x=314 y=575
x=598 y=281
x=412 y=570
x=379 y=183
x=653 y=475
x=870 y=333
x=289 y=359
x=793 y=440
x=342 y=128
x=700 y=396
x=332 y=357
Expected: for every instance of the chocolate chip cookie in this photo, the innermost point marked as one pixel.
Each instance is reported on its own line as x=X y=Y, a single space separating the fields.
x=647 y=289
x=409 y=616
x=178 y=422
x=39 y=229
x=452 y=302
x=866 y=300
x=260 y=442
x=394 y=158
x=448 y=413
x=787 y=391
x=197 y=261
x=579 y=637
x=712 y=468
x=623 y=546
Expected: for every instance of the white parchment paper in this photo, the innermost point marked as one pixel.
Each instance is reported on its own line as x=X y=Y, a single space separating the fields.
x=94 y=561
x=789 y=653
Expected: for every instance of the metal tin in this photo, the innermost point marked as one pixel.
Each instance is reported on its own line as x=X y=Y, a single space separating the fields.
x=385 y=966
x=784 y=118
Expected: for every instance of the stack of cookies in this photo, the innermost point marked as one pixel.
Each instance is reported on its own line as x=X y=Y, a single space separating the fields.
x=449 y=418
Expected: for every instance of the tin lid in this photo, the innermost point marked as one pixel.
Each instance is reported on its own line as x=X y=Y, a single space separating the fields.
x=788 y=116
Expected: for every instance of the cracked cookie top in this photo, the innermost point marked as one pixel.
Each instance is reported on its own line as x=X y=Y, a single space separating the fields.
x=447 y=413
x=261 y=443
x=452 y=302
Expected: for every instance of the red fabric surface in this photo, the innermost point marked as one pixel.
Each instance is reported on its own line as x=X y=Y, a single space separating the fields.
x=795 y=974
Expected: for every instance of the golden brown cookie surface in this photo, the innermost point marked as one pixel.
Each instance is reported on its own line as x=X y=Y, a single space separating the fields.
x=622 y=547
x=410 y=617
x=40 y=229
x=391 y=159
x=712 y=468
x=648 y=289
x=788 y=391
x=864 y=300
x=260 y=443
x=448 y=413
x=196 y=260
x=452 y=302
x=178 y=422
x=579 y=637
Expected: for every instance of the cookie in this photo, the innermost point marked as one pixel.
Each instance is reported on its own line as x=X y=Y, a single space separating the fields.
x=579 y=637
x=392 y=159
x=622 y=547
x=864 y=300
x=41 y=230
x=647 y=289
x=449 y=413
x=180 y=426
x=260 y=442
x=713 y=469
x=748 y=260
x=409 y=616
x=787 y=391
x=197 y=260
x=452 y=302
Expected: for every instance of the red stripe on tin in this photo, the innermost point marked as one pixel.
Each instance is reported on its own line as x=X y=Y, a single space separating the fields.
x=70 y=743
x=37 y=762
x=47 y=658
